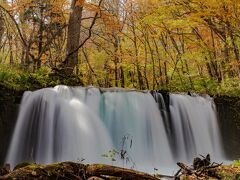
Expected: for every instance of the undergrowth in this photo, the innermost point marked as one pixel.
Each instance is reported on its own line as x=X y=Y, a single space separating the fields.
x=19 y=78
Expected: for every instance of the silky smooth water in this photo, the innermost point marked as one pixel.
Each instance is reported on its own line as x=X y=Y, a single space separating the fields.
x=83 y=124
x=195 y=127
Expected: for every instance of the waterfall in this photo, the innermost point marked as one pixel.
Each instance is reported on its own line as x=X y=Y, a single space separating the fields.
x=195 y=127
x=136 y=115
x=59 y=124
x=75 y=124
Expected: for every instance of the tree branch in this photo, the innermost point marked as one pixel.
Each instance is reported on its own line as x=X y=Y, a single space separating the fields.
x=16 y=24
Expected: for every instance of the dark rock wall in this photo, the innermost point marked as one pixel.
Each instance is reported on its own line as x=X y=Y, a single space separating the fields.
x=229 y=121
x=9 y=105
x=8 y=116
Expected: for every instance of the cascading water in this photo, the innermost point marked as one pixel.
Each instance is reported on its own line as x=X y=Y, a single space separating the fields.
x=195 y=127
x=59 y=124
x=63 y=123
x=137 y=115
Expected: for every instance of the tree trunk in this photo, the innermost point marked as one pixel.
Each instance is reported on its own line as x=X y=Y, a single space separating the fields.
x=159 y=62
x=145 y=63
x=10 y=47
x=73 y=37
x=153 y=63
x=139 y=75
x=40 y=38
x=234 y=46
x=1 y=27
x=116 y=59
x=122 y=80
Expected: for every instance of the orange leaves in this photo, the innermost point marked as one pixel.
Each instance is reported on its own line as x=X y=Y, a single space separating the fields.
x=91 y=7
x=111 y=22
x=79 y=3
x=234 y=64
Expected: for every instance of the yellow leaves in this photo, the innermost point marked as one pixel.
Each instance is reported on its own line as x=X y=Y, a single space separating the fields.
x=5 y=5
x=234 y=64
x=22 y=5
x=223 y=10
x=52 y=6
x=174 y=15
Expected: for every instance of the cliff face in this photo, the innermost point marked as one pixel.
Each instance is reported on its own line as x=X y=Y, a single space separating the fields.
x=8 y=116
x=228 y=113
x=9 y=105
x=229 y=121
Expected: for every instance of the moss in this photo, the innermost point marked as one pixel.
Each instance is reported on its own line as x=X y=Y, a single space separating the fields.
x=100 y=165
x=227 y=172
x=236 y=163
x=14 y=81
x=33 y=166
x=21 y=165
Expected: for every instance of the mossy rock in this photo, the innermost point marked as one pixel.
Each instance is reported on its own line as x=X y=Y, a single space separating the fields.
x=21 y=165
x=227 y=172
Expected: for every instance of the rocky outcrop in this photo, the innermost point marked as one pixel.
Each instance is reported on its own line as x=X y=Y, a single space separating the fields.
x=228 y=109
x=9 y=105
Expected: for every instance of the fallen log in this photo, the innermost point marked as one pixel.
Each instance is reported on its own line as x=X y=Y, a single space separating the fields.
x=107 y=170
x=76 y=171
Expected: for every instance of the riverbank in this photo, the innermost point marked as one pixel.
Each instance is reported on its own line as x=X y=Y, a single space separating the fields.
x=72 y=170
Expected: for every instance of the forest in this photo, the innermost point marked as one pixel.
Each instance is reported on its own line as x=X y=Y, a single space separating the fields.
x=176 y=45
x=120 y=89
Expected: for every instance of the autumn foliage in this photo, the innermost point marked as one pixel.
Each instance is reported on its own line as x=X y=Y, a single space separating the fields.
x=144 y=44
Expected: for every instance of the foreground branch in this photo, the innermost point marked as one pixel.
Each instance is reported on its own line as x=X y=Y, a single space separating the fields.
x=201 y=168
x=99 y=169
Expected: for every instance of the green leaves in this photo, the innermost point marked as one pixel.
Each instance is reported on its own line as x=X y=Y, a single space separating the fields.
x=111 y=154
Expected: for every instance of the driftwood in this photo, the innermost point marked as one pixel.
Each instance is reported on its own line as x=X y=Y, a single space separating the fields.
x=201 y=168
x=186 y=169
